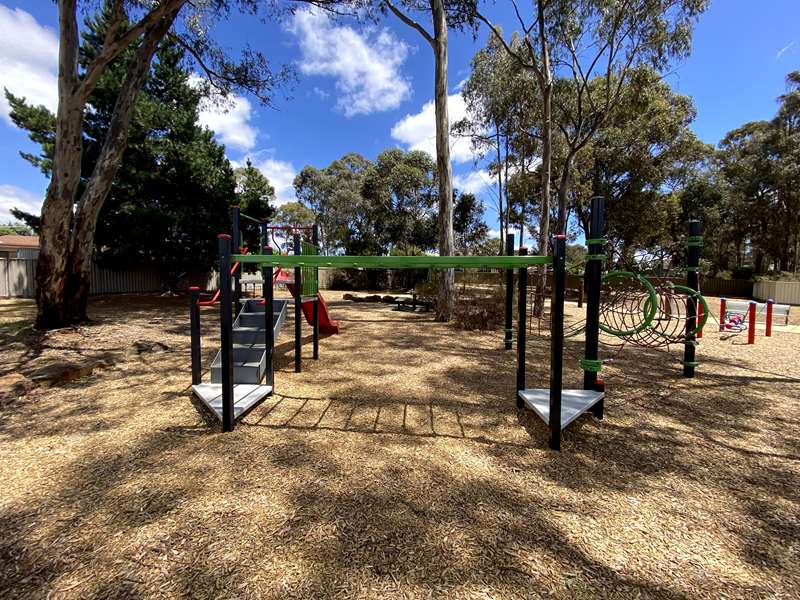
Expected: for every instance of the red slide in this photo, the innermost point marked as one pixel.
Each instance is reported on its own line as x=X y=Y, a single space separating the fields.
x=326 y=324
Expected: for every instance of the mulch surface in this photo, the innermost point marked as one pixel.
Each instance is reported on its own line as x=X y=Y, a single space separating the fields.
x=396 y=466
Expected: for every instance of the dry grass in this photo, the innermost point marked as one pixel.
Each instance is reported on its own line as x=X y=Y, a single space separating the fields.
x=396 y=467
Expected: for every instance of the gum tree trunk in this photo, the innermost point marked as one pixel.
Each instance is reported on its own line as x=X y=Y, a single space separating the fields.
x=446 y=243
x=85 y=221
x=68 y=223
x=56 y=223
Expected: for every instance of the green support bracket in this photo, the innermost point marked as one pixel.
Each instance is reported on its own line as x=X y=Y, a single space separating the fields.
x=593 y=366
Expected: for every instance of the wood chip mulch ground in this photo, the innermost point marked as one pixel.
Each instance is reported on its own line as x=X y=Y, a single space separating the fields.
x=396 y=466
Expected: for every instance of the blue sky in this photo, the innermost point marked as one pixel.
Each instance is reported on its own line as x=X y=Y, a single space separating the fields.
x=365 y=88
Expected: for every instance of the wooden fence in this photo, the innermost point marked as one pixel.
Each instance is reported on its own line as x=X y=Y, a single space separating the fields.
x=782 y=292
x=18 y=279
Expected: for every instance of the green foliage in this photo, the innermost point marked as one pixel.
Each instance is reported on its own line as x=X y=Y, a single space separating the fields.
x=254 y=193
x=576 y=254
x=173 y=191
x=11 y=229
x=294 y=213
x=469 y=228
x=370 y=207
x=255 y=196
x=758 y=175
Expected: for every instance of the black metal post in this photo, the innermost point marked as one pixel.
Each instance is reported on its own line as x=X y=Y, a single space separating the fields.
x=225 y=327
x=509 y=332
x=694 y=246
x=194 y=320
x=592 y=281
x=521 y=327
x=237 y=249
x=315 y=327
x=269 y=319
x=557 y=339
x=298 y=309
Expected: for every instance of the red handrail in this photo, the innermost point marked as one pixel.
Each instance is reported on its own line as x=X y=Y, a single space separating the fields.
x=215 y=297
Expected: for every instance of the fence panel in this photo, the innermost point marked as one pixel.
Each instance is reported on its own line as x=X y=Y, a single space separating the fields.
x=134 y=281
x=17 y=277
x=782 y=292
x=713 y=286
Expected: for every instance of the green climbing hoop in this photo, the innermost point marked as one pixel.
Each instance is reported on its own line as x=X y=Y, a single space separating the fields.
x=650 y=305
x=699 y=298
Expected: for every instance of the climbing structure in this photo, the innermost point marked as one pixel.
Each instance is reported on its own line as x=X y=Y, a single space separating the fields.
x=241 y=373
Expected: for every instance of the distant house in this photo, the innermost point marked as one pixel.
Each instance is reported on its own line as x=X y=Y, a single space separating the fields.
x=19 y=246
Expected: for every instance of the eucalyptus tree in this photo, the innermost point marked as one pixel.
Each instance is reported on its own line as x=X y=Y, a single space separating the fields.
x=500 y=109
x=443 y=14
x=593 y=46
x=72 y=204
x=760 y=163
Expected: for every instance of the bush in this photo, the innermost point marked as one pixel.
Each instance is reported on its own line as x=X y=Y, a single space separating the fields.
x=377 y=279
x=480 y=309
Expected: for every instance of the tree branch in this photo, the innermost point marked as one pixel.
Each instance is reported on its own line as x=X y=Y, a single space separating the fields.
x=411 y=23
x=114 y=47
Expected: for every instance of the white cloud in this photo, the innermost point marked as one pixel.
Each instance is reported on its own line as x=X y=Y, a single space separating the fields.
x=366 y=65
x=12 y=196
x=280 y=173
x=29 y=59
x=784 y=50
x=474 y=182
x=230 y=120
x=418 y=131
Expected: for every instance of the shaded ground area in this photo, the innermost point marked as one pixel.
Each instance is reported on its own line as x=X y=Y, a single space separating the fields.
x=395 y=467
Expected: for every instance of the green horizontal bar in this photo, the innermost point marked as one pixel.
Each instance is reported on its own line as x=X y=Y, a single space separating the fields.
x=394 y=262
x=253 y=219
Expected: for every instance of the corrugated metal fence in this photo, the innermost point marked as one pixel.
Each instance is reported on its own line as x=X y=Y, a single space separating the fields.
x=18 y=279
x=782 y=292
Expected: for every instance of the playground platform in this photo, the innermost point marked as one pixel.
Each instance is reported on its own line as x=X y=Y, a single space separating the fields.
x=245 y=397
x=573 y=403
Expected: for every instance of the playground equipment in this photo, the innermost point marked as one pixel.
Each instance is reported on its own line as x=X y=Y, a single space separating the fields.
x=232 y=399
x=245 y=358
x=738 y=316
x=634 y=310
x=556 y=406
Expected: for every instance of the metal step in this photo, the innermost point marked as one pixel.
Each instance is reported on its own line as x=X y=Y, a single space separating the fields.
x=254 y=319
x=248 y=365
x=249 y=358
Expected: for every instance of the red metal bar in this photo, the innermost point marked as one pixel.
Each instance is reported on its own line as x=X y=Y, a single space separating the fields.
x=215 y=298
x=722 y=317
x=770 y=302
x=751 y=323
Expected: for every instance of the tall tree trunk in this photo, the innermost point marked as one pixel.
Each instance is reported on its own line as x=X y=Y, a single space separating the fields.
x=500 y=212
x=82 y=243
x=563 y=191
x=447 y=284
x=546 y=88
x=545 y=79
x=56 y=223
